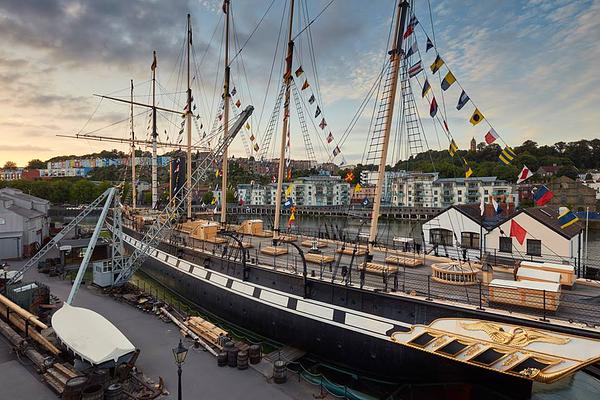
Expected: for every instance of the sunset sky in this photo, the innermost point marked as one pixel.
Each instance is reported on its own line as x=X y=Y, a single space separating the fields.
x=528 y=65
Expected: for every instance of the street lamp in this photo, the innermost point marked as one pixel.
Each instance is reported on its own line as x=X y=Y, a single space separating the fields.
x=180 y=352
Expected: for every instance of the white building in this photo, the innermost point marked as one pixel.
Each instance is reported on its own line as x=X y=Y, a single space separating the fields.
x=418 y=189
x=460 y=231
x=370 y=178
x=317 y=190
x=23 y=223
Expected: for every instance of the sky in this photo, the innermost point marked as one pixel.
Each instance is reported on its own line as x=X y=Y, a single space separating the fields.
x=531 y=67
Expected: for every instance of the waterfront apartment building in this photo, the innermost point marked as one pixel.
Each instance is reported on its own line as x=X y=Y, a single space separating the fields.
x=370 y=178
x=421 y=189
x=316 y=190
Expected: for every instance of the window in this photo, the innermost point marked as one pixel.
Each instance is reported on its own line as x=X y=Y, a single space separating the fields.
x=469 y=240
x=534 y=247
x=460 y=192
x=440 y=236
x=506 y=244
x=485 y=191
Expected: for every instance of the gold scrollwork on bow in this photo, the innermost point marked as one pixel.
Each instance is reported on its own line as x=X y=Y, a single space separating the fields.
x=517 y=336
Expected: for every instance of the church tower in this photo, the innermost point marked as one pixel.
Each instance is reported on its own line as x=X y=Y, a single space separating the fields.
x=473 y=145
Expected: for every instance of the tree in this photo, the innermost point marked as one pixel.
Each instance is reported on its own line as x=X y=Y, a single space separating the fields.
x=567 y=170
x=36 y=163
x=10 y=165
x=208 y=197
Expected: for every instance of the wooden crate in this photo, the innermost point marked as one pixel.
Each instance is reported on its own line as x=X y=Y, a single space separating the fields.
x=537 y=275
x=525 y=294
x=567 y=272
x=318 y=258
x=287 y=238
x=251 y=227
x=206 y=330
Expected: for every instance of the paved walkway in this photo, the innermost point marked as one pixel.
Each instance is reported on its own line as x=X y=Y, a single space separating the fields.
x=202 y=379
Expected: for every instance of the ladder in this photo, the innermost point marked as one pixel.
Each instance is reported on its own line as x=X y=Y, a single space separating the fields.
x=310 y=152
x=273 y=122
x=247 y=146
x=410 y=114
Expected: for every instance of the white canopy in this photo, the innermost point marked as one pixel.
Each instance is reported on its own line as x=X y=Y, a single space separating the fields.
x=89 y=335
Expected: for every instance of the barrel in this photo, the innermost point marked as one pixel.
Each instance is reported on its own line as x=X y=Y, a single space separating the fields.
x=100 y=377
x=73 y=388
x=232 y=355
x=254 y=352
x=228 y=345
x=222 y=359
x=279 y=371
x=242 y=360
x=93 y=392
x=114 y=392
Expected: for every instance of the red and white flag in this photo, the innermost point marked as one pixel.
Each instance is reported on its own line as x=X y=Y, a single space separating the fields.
x=491 y=136
x=524 y=174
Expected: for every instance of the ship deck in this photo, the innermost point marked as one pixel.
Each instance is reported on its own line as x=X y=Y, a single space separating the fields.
x=578 y=305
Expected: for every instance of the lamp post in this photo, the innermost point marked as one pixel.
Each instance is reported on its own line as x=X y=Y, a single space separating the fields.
x=180 y=352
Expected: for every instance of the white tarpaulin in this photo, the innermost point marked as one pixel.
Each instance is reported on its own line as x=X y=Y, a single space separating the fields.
x=89 y=335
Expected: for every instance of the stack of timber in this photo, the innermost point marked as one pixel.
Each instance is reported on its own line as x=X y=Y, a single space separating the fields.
x=58 y=375
x=379 y=268
x=404 y=259
x=318 y=258
x=208 y=331
x=350 y=249
x=274 y=250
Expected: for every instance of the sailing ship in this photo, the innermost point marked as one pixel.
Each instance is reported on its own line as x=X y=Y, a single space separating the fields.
x=244 y=274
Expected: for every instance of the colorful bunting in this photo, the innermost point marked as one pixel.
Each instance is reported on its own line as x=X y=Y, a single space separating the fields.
x=507 y=155
x=357 y=188
x=252 y=137
x=542 y=195
x=336 y=151
x=409 y=30
x=330 y=138
x=468 y=171
x=477 y=117
x=311 y=99
x=238 y=103
x=566 y=217
x=247 y=125
x=524 y=174
x=292 y=219
x=433 y=108
x=349 y=177
x=233 y=91
x=317 y=112
x=497 y=207
x=517 y=231
x=299 y=71
x=365 y=201
x=256 y=147
x=415 y=69
x=491 y=136
x=437 y=64
x=429 y=45
x=323 y=124
x=448 y=80
x=288 y=203
x=305 y=85
x=462 y=100
x=453 y=148
x=426 y=88
x=412 y=50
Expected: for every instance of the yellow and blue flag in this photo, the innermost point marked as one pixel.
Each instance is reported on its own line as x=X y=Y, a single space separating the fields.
x=566 y=217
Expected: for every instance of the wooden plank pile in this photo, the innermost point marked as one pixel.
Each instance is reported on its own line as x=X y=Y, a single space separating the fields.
x=318 y=258
x=58 y=375
x=207 y=331
x=379 y=268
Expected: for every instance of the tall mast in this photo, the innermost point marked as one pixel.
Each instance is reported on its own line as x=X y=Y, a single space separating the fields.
x=154 y=136
x=225 y=115
x=133 y=186
x=188 y=170
x=395 y=56
x=287 y=77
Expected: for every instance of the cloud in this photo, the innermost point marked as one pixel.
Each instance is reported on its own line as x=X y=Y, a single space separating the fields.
x=11 y=148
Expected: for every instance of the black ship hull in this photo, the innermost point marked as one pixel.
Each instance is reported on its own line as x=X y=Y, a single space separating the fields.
x=329 y=337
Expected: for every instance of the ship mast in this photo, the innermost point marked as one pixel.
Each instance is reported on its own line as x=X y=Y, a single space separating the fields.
x=287 y=77
x=188 y=170
x=133 y=186
x=225 y=116
x=154 y=136
x=395 y=58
